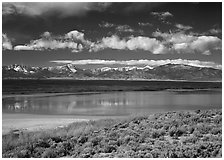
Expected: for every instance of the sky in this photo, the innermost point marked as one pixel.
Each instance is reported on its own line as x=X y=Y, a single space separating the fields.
x=94 y=34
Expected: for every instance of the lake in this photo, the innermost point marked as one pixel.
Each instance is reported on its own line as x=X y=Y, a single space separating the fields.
x=116 y=103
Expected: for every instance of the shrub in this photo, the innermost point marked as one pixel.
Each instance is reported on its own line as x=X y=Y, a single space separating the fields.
x=56 y=139
x=95 y=141
x=172 y=131
x=197 y=134
x=203 y=129
x=179 y=132
x=155 y=134
x=67 y=145
x=24 y=154
x=109 y=148
x=82 y=139
x=42 y=143
x=170 y=135
x=190 y=139
x=148 y=155
x=88 y=152
x=216 y=131
x=197 y=111
x=49 y=153
x=218 y=120
x=128 y=138
x=112 y=142
x=191 y=129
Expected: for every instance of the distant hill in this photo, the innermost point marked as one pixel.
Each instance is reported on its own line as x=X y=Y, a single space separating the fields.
x=163 y=72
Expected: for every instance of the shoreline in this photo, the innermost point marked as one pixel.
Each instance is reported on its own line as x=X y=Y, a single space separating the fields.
x=35 y=122
x=42 y=94
x=47 y=94
x=147 y=80
x=31 y=122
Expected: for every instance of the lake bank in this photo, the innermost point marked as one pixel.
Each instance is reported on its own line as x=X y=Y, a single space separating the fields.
x=34 y=122
x=111 y=79
x=23 y=87
x=188 y=134
x=30 y=122
x=87 y=93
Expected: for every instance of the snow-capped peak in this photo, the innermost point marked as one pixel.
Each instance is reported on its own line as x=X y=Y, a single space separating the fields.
x=19 y=68
x=147 y=67
x=105 y=69
x=71 y=67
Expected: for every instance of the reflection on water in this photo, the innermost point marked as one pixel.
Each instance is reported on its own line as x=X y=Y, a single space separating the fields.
x=119 y=103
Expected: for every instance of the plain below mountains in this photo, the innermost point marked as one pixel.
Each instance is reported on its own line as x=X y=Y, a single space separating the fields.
x=70 y=71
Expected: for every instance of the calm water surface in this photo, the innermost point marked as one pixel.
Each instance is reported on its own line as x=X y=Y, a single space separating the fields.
x=113 y=103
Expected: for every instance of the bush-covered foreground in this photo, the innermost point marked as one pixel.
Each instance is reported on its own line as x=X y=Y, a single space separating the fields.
x=172 y=134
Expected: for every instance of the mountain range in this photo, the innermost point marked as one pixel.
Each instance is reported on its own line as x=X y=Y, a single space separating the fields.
x=70 y=71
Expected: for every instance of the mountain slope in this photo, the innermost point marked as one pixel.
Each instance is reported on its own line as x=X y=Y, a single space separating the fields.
x=163 y=72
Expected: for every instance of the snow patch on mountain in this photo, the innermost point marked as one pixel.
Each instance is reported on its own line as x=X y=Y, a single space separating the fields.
x=128 y=68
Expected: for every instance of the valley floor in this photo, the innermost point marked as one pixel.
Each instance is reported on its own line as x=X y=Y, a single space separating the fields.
x=173 y=134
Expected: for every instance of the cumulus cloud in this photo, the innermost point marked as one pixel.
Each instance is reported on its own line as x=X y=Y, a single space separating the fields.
x=178 y=37
x=132 y=43
x=162 y=14
x=107 y=25
x=202 y=44
x=6 y=42
x=50 y=8
x=178 y=42
x=76 y=36
x=141 y=62
x=73 y=40
x=124 y=28
x=119 y=28
x=113 y=42
x=144 y=24
x=183 y=27
x=160 y=43
x=145 y=43
x=215 y=31
x=183 y=43
x=206 y=43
